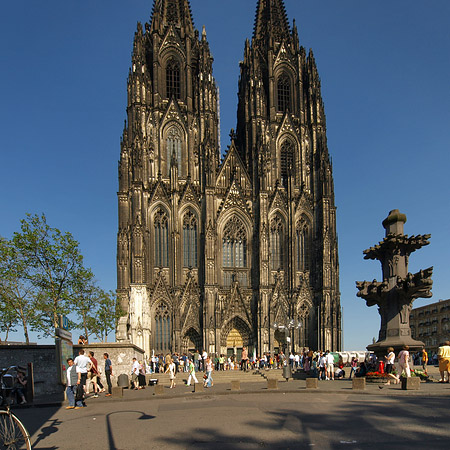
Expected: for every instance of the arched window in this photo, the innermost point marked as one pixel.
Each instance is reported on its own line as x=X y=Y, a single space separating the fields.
x=234 y=244
x=173 y=89
x=161 y=224
x=276 y=244
x=163 y=329
x=190 y=240
x=284 y=92
x=303 y=245
x=287 y=161
x=174 y=149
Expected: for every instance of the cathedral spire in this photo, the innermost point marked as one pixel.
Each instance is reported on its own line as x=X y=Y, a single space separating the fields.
x=271 y=22
x=172 y=12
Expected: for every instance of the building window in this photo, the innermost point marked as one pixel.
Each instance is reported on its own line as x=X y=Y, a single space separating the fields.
x=234 y=244
x=190 y=240
x=173 y=147
x=161 y=224
x=284 y=92
x=287 y=161
x=163 y=331
x=173 y=79
x=276 y=244
x=303 y=235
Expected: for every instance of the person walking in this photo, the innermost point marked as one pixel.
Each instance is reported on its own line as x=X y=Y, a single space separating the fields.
x=83 y=364
x=389 y=367
x=108 y=373
x=353 y=367
x=424 y=360
x=135 y=374
x=73 y=379
x=191 y=369
x=171 y=370
x=93 y=375
x=403 y=362
x=209 y=368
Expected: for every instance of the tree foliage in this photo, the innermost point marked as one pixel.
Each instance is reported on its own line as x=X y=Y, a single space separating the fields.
x=55 y=268
x=42 y=276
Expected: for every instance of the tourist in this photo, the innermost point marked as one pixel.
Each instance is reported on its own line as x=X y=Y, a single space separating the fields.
x=196 y=360
x=171 y=369
x=82 y=340
x=389 y=367
x=191 y=368
x=93 y=375
x=83 y=364
x=209 y=368
x=339 y=373
x=204 y=357
x=73 y=380
x=322 y=362
x=141 y=376
x=362 y=370
x=444 y=361
x=244 y=359
x=108 y=373
x=403 y=362
x=424 y=359
x=353 y=367
x=330 y=365
x=135 y=374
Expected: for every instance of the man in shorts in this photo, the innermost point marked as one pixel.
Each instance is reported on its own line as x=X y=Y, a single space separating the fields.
x=444 y=361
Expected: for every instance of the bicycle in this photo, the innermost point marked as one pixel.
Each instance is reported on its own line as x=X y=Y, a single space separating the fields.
x=13 y=434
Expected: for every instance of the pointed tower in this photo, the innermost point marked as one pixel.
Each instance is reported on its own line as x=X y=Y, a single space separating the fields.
x=169 y=148
x=281 y=136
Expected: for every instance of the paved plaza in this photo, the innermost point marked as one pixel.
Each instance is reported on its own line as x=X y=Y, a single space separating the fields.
x=333 y=416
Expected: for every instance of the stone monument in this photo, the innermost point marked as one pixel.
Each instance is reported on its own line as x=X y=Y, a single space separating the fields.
x=395 y=294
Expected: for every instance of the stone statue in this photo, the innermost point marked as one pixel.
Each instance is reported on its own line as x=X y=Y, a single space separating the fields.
x=395 y=294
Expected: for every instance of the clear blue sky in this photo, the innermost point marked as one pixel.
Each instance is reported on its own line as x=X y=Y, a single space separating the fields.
x=385 y=70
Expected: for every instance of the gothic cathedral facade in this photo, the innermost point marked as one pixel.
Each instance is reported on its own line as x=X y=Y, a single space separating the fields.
x=224 y=251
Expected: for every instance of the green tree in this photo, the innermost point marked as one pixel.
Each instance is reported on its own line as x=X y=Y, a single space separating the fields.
x=106 y=315
x=17 y=294
x=55 y=267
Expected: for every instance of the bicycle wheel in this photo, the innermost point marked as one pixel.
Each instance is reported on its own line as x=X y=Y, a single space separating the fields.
x=13 y=434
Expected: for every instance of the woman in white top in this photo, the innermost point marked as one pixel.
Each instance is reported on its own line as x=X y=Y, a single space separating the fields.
x=389 y=366
x=171 y=370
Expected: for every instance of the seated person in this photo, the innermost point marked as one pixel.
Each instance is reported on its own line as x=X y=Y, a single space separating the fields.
x=339 y=373
x=362 y=370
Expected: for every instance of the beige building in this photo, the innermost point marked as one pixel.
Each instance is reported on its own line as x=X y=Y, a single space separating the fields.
x=220 y=251
x=431 y=324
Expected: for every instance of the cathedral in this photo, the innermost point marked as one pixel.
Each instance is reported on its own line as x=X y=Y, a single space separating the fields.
x=224 y=251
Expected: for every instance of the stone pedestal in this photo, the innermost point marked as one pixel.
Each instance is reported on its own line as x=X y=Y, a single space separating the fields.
x=359 y=384
x=117 y=391
x=312 y=383
x=235 y=385
x=272 y=383
x=159 y=389
x=411 y=383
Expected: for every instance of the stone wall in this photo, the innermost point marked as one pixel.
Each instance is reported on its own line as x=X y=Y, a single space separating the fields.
x=43 y=358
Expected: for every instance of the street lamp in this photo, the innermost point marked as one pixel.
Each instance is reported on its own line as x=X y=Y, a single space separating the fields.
x=287 y=328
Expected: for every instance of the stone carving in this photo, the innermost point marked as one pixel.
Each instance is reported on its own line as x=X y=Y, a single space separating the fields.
x=395 y=294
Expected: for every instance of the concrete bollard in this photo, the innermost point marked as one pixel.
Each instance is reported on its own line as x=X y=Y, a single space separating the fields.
x=235 y=385
x=159 y=389
x=411 y=384
x=272 y=383
x=359 y=384
x=117 y=391
x=312 y=383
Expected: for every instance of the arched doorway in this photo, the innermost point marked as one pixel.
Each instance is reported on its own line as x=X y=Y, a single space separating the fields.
x=235 y=335
x=279 y=341
x=235 y=343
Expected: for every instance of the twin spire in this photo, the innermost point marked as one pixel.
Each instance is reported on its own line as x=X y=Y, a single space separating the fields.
x=271 y=18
